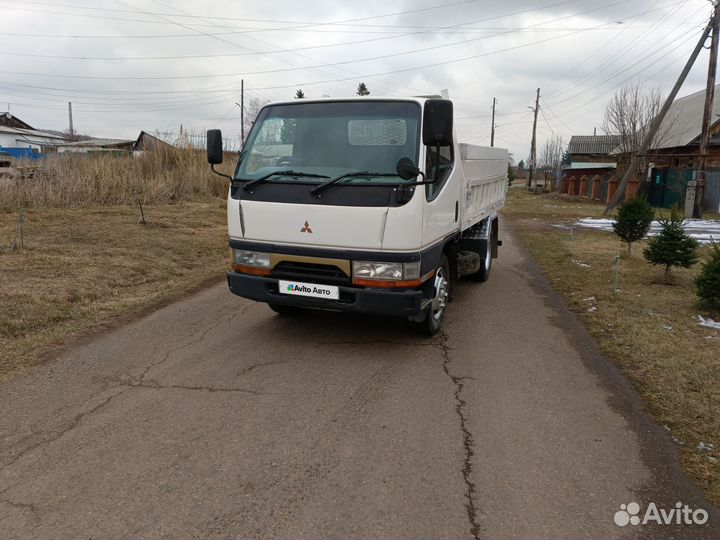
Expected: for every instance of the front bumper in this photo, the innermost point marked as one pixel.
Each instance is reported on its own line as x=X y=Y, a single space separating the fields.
x=379 y=302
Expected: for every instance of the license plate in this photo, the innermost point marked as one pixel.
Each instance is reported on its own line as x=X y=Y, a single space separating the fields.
x=313 y=290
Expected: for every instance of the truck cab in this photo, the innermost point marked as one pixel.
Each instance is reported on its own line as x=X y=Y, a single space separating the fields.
x=356 y=204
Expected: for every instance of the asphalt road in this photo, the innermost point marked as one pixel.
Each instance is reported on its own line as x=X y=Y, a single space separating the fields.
x=214 y=417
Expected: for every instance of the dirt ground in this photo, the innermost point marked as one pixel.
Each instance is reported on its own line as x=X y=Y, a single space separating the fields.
x=80 y=268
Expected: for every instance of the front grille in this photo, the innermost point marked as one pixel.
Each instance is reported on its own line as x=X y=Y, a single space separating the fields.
x=310 y=273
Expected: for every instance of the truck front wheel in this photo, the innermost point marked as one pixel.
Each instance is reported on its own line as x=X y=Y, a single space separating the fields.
x=435 y=312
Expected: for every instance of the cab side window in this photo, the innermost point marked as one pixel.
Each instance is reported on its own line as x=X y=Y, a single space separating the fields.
x=440 y=167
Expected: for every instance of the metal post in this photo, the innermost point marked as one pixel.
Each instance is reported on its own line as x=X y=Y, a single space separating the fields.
x=72 y=130
x=242 y=112
x=492 y=129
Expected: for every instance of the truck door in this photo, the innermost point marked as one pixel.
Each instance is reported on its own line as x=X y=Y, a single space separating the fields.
x=441 y=214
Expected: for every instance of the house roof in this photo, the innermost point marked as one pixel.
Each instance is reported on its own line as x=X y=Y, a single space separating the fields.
x=592 y=144
x=145 y=141
x=7 y=119
x=588 y=165
x=100 y=143
x=31 y=134
x=683 y=122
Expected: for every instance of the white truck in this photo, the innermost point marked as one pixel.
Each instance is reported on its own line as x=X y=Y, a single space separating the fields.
x=364 y=204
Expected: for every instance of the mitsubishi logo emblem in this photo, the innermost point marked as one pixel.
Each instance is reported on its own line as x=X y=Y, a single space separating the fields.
x=306 y=228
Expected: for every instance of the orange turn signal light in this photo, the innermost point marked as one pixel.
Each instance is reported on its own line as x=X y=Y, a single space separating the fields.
x=253 y=270
x=392 y=284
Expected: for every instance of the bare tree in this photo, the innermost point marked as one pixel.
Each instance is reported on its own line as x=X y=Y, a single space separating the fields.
x=252 y=108
x=551 y=157
x=628 y=116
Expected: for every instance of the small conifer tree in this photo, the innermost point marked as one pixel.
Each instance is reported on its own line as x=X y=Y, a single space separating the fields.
x=708 y=282
x=672 y=247
x=633 y=221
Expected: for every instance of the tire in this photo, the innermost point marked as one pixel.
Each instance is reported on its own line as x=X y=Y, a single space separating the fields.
x=435 y=312
x=284 y=310
x=484 y=273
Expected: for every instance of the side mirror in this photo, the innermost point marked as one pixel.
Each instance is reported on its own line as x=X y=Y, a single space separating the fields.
x=406 y=169
x=438 y=122
x=214 y=147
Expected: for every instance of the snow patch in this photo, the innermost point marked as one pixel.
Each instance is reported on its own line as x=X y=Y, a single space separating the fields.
x=700 y=229
x=708 y=323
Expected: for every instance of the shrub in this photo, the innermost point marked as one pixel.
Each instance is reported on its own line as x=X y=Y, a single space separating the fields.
x=672 y=247
x=633 y=221
x=708 y=282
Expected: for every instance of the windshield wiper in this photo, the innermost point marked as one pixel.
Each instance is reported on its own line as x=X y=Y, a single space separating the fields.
x=290 y=172
x=329 y=183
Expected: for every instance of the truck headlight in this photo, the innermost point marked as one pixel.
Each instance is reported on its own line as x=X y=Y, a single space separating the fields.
x=385 y=270
x=254 y=259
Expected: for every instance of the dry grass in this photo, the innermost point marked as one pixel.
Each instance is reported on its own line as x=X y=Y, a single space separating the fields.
x=649 y=329
x=76 y=180
x=81 y=268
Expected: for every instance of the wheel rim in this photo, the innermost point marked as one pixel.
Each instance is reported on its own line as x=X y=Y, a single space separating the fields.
x=441 y=294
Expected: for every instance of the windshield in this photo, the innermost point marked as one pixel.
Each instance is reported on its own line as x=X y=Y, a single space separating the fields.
x=332 y=139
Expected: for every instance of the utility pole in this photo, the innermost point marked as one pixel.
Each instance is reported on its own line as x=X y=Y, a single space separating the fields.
x=242 y=112
x=658 y=120
x=492 y=130
x=72 y=131
x=707 y=116
x=532 y=142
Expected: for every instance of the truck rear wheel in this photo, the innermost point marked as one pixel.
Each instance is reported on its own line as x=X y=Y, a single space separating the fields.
x=435 y=312
x=485 y=259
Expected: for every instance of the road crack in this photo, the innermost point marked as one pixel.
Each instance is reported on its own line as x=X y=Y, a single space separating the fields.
x=468 y=442
x=169 y=352
x=23 y=507
x=150 y=383
x=75 y=422
x=250 y=368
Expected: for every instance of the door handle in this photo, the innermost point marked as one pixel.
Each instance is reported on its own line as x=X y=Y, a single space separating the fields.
x=457 y=207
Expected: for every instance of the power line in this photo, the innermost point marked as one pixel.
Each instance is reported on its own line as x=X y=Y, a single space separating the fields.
x=223 y=55
x=623 y=51
x=435 y=64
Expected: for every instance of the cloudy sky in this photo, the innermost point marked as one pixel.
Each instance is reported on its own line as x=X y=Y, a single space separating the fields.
x=156 y=65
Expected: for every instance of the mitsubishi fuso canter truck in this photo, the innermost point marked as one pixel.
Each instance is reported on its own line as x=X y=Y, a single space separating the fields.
x=364 y=204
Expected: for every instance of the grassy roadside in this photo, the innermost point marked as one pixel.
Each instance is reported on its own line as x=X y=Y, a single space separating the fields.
x=83 y=267
x=649 y=329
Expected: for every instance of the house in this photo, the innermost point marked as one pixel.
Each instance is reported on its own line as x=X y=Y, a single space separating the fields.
x=589 y=156
x=145 y=141
x=673 y=160
x=21 y=140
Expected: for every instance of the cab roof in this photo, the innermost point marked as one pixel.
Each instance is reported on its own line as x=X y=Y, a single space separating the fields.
x=410 y=99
